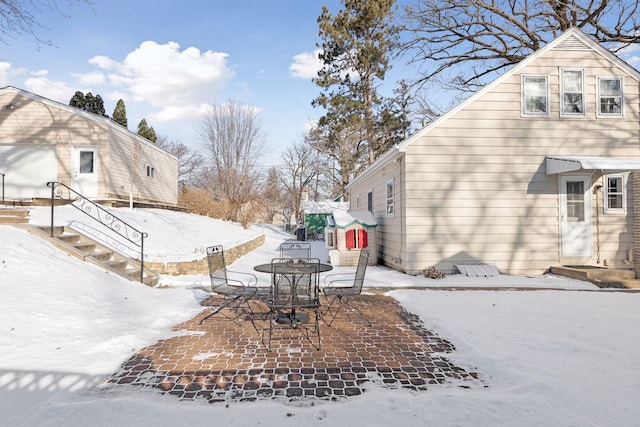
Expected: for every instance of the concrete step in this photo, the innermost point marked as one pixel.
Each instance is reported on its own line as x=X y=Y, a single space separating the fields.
x=600 y=276
x=11 y=215
x=86 y=249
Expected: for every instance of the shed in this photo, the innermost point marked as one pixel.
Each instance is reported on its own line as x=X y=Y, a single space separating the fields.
x=316 y=213
x=348 y=232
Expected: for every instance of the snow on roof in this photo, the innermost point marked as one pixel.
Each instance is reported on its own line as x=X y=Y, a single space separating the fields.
x=344 y=219
x=324 y=207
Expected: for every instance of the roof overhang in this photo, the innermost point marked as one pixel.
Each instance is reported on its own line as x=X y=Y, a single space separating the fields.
x=562 y=164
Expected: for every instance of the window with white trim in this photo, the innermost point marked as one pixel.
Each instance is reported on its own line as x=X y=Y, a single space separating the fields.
x=370 y=201
x=535 y=95
x=610 y=100
x=151 y=171
x=572 y=98
x=390 y=199
x=615 y=195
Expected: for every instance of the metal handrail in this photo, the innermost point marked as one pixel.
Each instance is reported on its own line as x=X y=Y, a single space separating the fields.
x=98 y=213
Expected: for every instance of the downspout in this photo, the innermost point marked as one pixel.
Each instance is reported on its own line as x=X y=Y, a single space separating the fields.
x=596 y=189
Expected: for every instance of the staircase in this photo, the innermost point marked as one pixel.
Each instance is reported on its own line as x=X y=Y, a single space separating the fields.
x=11 y=215
x=85 y=248
x=600 y=276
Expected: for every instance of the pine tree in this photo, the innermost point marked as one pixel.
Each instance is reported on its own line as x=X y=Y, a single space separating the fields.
x=78 y=100
x=356 y=46
x=88 y=102
x=120 y=114
x=147 y=132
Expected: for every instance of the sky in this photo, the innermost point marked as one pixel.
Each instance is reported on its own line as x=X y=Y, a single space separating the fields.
x=561 y=353
x=169 y=60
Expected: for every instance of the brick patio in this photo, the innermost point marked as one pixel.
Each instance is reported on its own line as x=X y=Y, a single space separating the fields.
x=223 y=361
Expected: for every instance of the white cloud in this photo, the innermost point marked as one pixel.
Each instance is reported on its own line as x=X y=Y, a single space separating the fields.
x=5 y=69
x=630 y=54
x=305 y=65
x=91 y=79
x=173 y=81
x=55 y=90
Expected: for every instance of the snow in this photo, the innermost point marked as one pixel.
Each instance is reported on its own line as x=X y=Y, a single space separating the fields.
x=552 y=351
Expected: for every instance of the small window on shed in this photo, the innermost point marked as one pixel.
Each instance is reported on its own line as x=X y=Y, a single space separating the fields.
x=151 y=172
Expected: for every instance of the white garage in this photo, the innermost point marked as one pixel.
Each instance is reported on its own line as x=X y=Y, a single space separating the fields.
x=27 y=169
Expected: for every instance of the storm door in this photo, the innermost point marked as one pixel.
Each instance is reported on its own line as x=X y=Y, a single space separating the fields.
x=575 y=216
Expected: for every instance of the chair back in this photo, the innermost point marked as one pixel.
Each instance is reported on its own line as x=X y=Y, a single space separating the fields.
x=218 y=270
x=295 y=250
x=363 y=260
x=295 y=282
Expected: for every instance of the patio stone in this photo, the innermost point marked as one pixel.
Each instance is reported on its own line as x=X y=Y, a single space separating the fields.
x=226 y=361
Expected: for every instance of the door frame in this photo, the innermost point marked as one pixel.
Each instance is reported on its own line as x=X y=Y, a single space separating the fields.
x=564 y=232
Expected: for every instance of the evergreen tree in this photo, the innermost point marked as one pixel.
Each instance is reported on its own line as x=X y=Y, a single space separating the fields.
x=77 y=100
x=88 y=102
x=356 y=46
x=120 y=114
x=147 y=132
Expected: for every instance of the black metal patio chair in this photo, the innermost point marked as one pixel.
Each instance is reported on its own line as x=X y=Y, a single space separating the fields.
x=295 y=250
x=294 y=298
x=341 y=287
x=236 y=288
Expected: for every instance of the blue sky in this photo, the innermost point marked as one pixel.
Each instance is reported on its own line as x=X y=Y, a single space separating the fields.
x=167 y=60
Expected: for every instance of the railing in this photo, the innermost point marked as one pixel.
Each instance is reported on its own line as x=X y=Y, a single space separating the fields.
x=98 y=213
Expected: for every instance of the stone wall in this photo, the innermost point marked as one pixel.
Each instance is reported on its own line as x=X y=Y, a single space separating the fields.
x=200 y=266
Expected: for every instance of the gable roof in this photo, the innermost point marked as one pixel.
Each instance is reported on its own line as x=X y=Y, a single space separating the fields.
x=572 y=39
x=85 y=114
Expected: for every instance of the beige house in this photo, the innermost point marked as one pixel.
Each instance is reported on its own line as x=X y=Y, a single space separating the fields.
x=42 y=140
x=533 y=171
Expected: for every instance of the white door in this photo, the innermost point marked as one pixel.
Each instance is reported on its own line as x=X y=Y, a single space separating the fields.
x=575 y=216
x=85 y=174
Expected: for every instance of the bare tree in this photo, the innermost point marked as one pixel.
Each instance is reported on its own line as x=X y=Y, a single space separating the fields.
x=300 y=168
x=463 y=44
x=190 y=161
x=344 y=150
x=19 y=17
x=232 y=136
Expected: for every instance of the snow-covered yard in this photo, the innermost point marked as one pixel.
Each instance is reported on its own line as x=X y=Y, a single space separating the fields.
x=564 y=355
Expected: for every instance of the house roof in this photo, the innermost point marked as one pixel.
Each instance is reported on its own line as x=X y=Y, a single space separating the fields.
x=90 y=116
x=343 y=219
x=573 y=38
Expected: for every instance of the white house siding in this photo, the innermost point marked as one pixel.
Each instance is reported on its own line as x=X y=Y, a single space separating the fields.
x=36 y=120
x=476 y=184
x=389 y=230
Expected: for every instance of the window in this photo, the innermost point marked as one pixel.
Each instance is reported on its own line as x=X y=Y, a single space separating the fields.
x=370 y=201
x=615 y=200
x=535 y=95
x=572 y=87
x=151 y=172
x=390 y=199
x=610 y=96
x=86 y=162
